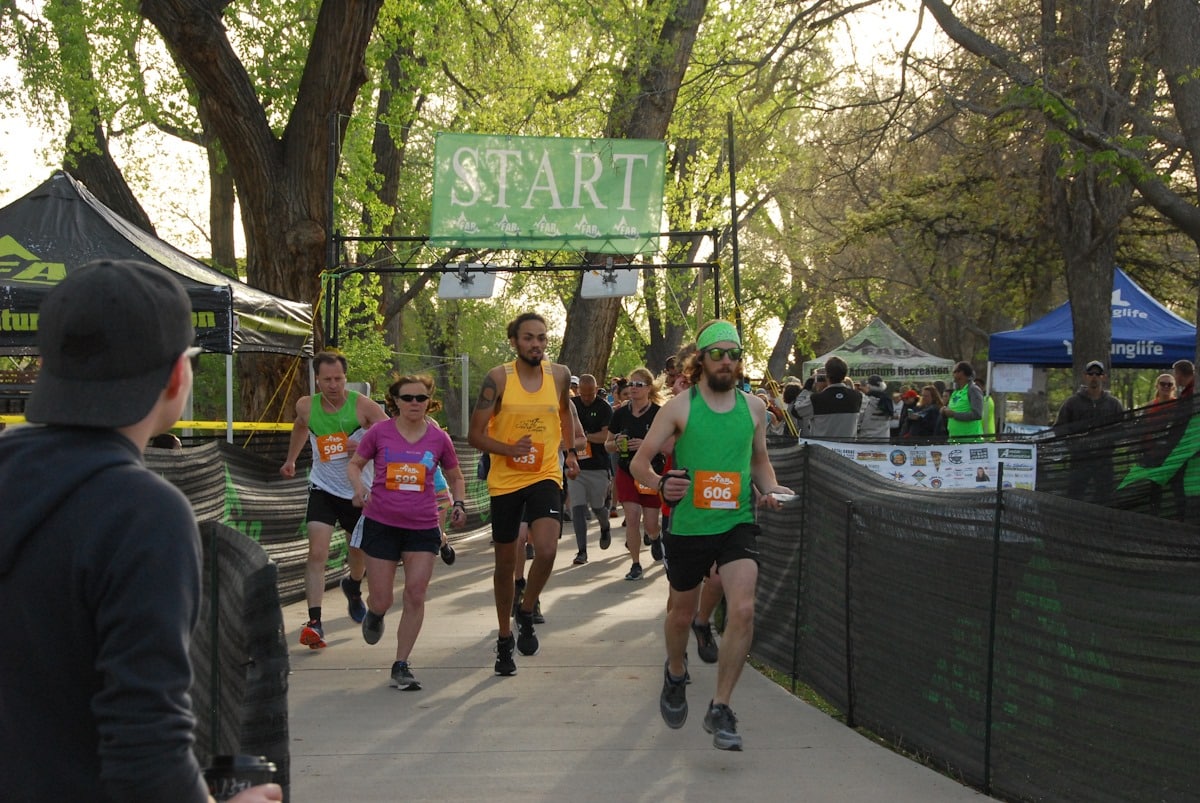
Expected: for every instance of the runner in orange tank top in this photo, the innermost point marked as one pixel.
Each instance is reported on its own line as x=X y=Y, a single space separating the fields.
x=522 y=418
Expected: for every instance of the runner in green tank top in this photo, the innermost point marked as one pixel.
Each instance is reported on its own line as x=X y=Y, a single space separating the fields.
x=720 y=445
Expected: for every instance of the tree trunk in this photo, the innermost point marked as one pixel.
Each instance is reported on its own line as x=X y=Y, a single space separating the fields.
x=221 y=219
x=1177 y=24
x=642 y=109
x=86 y=152
x=281 y=181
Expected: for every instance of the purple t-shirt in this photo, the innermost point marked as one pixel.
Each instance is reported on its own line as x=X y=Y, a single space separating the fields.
x=402 y=493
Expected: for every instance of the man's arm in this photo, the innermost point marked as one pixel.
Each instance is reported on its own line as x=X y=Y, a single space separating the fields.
x=975 y=398
x=762 y=473
x=369 y=412
x=360 y=484
x=666 y=425
x=299 y=436
x=566 y=417
x=486 y=406
x=601 y=434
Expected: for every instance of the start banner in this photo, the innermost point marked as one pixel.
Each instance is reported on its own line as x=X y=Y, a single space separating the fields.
x=945 y=465
x=535 y=193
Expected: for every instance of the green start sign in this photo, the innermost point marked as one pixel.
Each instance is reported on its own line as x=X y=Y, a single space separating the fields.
x=532 y=193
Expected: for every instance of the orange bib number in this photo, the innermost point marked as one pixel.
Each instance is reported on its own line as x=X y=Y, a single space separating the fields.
x=405 y=476
x=531 y=462
x=642 y=489
x=332 y=447
x=716 y=490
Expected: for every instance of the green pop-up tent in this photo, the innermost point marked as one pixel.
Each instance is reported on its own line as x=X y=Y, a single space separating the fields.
x=879 y=350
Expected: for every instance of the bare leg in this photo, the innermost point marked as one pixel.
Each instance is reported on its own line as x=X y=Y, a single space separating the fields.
x=418 y=568
x=678 y=627
x=319 y=535
x=502 y=585
x=522 y=539
x=633 y=530
x=710 y=595
x=356 y=559
x=544 y=533
x=739 y=579
x=381 y=577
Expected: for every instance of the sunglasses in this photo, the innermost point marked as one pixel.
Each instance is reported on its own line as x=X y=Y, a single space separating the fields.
x=1094 y=373
x=1166 y=384
x=410 y=397
x=638 y=384
x=716 y=354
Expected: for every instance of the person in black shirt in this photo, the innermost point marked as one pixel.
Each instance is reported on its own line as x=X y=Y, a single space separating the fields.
x=628 y=426
x=591 y=486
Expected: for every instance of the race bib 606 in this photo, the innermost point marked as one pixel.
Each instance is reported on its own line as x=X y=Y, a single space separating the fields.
x=717 y=490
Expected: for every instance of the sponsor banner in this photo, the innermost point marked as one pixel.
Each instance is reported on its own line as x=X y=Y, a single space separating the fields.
x=944 y=465
x=533 y=193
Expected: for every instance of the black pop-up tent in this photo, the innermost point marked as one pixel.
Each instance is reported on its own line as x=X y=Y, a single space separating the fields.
x=60 y=226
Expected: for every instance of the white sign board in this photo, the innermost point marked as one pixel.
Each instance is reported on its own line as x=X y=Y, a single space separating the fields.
x=945 y=465
x=1012 y=378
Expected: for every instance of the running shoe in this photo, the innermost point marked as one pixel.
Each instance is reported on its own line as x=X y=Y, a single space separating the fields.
x=448 y=555
x=656 y=550
x=538 y=619
x=355 y=605
x=505 y=665
x=527 y=640
x=706 y=645
x=635 y=572
x=672 y=703
x=605 y=537
x=580 y=558
x=528 y=551
x=312 y=635
x=645 y=539
x=372 y=628
x=722 y=724
x=402 y=677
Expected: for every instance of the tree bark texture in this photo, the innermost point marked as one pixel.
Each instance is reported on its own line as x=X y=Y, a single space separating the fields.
x=281 y=180
x=642 y=109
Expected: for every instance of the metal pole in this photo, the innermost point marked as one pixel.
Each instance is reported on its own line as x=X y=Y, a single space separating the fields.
x=229 y=398
x=466 y=392
x=991 y=662
x=733 y=231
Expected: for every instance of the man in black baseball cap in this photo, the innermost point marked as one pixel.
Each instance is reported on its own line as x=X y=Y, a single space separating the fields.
x=99 y=556
x=1091 y=465
x=109 y=335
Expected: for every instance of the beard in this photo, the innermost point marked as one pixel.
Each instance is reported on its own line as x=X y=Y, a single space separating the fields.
x=531 y=359
x=720 y=382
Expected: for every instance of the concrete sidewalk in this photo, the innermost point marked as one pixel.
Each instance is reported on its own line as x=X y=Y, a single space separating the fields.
x=579 y=721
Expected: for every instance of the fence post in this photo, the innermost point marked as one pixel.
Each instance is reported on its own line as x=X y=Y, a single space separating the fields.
x=214 y=658
x=991 y=659
x=806 y=497
x=849 y=637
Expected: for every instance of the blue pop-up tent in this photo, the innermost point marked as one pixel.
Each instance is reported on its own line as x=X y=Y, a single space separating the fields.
x=1145 y=334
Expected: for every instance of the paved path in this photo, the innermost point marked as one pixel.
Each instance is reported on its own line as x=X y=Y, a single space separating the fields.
x=579 y=721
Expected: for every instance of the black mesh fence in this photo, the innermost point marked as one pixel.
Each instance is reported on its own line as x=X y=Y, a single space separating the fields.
x=240 y=656
x=243 y=490
x=1034 y=646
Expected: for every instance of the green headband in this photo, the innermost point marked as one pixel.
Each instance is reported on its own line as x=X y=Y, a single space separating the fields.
x=716 y=332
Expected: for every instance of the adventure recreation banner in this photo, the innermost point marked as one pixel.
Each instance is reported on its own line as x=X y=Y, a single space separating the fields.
x=537 y=193
x=945 y=465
